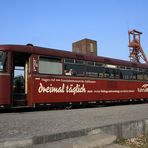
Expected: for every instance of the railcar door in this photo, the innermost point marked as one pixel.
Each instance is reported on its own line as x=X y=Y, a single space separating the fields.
x=20 y=78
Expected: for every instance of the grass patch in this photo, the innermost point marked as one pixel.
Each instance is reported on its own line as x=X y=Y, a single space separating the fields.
x=137 y=142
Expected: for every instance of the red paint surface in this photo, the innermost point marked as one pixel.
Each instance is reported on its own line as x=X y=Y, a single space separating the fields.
x=49 y=90
x=5 y=98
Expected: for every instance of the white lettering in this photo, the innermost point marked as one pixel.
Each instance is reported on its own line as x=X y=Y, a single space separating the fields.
x=51 y=89
x=75 y=89
x=144 y=88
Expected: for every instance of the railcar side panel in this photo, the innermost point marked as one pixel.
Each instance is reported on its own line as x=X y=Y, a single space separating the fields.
x=53 y=90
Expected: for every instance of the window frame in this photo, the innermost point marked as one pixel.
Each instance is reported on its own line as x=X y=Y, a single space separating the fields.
x=52 y=60
x=4 y=62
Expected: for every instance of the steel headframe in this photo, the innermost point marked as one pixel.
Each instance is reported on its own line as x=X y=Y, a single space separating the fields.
x=135 y=49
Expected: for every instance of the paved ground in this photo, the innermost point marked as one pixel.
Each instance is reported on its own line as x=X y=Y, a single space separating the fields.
x=28 y=124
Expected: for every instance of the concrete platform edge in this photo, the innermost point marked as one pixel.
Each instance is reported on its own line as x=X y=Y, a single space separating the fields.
x=121 y=130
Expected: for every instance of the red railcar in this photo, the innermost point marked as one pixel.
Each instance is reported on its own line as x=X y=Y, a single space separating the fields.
x=31 y=76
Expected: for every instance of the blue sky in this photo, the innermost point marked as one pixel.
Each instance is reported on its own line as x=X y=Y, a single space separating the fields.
x=58 y=23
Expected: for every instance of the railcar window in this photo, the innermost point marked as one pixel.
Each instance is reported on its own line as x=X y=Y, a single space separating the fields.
x=106 y=73
x=134 y=75
x=140 y=75
x=128 y=68
x=116 y=73
x=74 y=69
x=90 y=63
x=99 y=64
x=135 y=69
x=145 y=74
x=69 y=60
x=125 y=74
x=100 y=71
x=79 y=62
x=143 y=70
x=111 y=73
x=3 y=60
x=90 y=71
x=50 y=66
x=122 y=67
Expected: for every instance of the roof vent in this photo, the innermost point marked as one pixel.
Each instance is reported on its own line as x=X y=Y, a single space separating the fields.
x=29 y=44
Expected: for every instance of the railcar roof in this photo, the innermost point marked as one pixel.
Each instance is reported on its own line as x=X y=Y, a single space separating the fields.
x=68 y=54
